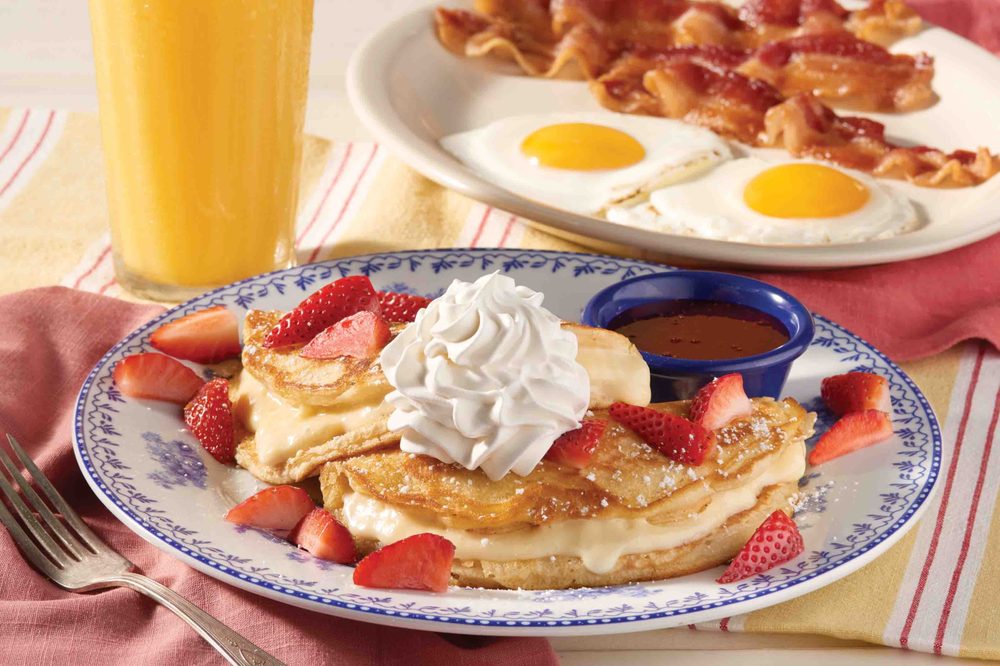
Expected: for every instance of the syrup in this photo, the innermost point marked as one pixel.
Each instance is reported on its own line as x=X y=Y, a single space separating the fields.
x=700 y=330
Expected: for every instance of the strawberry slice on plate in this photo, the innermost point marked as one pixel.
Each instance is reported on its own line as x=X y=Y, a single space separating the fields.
x=776 y=541
x=156 y=377
x=209 y=417
x=574 y=448
x=325 y=307
x=205 y=336
x=854 y=431
x=362 y=335
x=856 y=392
x=419 y=562
x=399 y=307
x=278 y=508
x=721 y=402
x=322 y=536
x=674 y=436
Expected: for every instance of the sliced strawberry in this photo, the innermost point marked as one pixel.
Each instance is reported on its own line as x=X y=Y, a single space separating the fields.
x=401 y=307
x=850 y=433
x=156 y=377
x=420 y=562
x=326 y=306
x=776 y=541
x=321 y=534
x=209 y=417
x=720 y=402
x=677 y=438
x=362 y=335
x=205 y=336
x=575 y=447
x=856 y=392
x=277 y=508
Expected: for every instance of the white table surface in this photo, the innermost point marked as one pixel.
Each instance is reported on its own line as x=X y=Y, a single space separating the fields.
x=46 y=61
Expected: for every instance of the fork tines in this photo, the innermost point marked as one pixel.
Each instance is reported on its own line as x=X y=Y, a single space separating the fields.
x=53 y=542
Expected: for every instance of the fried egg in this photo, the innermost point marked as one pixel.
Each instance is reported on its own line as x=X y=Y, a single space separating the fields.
x=750 y=200
x=585 y=162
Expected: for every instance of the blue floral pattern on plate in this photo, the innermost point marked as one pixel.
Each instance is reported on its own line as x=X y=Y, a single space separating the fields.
x=161 y=492
x=180 y=464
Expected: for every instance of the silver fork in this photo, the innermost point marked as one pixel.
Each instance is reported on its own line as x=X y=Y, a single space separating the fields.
x=78 y=560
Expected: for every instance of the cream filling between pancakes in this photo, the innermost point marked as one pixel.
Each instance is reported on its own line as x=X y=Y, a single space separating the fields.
x=281 y=429
x=598 y=542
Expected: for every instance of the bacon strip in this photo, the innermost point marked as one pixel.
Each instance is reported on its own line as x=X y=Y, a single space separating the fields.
x=543 y=37
x=537 y=53
x=842 y=69
x=806 y=128
x=883 y=22
x=693 y=85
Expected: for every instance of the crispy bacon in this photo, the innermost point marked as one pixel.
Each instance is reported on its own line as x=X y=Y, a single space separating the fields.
x=806 y=128
x=787 y=12
x=842 y=69
x=884 y=22
x=693 y=84
x=533 y=15
x=543 y=36
x=537 y=53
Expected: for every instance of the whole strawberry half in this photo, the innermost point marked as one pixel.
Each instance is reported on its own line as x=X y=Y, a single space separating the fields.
x=209 y=417
x=720 y=402
x=398 y=307
x=776 y=541
x=420 y=562
x=205 y=336
x=575 y=447
x=362 y=335
x=325 y=307
x=321 y=535
x=854 y=431
x=279 y=508
x=676 y=437
x=856 y=392
x=156 y=377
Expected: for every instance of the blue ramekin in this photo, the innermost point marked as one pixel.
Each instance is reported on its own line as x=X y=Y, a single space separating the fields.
x=679 y=379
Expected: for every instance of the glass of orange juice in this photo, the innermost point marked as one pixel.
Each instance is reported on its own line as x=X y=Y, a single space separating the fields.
x=202 y=104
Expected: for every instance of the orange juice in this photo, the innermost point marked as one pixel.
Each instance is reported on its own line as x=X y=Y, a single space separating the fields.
x=202 y=105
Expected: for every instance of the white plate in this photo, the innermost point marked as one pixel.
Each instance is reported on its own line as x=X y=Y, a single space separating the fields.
x=409 y=92
x=155 y=477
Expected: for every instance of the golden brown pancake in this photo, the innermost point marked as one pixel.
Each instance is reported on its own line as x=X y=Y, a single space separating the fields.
x=306 y=381
x=626 y=480
x=562 y=572
x=299 y=392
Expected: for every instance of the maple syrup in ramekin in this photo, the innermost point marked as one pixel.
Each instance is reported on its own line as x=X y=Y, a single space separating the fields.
x=700 y=330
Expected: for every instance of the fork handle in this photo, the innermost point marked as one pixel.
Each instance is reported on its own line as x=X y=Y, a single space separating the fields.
x=235 y=648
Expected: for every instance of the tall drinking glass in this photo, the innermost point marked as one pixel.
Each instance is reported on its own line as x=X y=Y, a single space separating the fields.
x=202 y=104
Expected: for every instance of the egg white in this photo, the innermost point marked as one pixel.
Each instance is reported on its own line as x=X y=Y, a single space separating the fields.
x=712 y=206
x=674 y=151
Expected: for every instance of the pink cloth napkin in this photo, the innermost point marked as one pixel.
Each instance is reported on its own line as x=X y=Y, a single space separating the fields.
x=918 y=308
x=910 y=309
x=49 y=340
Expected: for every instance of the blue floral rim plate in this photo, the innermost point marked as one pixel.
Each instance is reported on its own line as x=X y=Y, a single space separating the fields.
x=155 y=478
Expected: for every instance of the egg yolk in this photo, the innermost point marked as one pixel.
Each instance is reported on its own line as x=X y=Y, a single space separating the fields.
x=804 y=190
x=582 y=147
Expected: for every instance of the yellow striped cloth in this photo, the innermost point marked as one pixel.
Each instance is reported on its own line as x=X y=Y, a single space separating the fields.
x=935 y=591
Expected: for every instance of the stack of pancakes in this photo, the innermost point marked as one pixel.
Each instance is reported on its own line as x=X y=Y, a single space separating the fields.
x=631 y=514
x=294 y=414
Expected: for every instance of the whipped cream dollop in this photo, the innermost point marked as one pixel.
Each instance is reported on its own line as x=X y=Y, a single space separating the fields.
x=485 y=377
